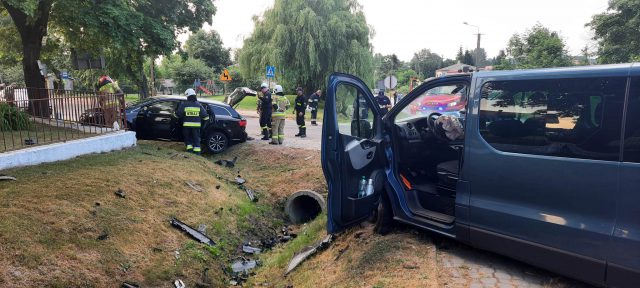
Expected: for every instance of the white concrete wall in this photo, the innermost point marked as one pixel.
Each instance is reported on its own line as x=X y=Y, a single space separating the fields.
x=70 y=149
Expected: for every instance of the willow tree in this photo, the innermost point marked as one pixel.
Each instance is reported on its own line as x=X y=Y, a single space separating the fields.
x=307 y=41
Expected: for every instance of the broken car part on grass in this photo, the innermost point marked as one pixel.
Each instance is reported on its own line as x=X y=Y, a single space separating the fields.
x=6 y=177
x=195 y=234
x=241 y=270
x=227 y=163
x=250 y=193
x=195 y=186
x=304 y=254
x=120 y=193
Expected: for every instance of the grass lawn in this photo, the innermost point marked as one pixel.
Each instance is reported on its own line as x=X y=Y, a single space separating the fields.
x=55 y=217
x=41 y=134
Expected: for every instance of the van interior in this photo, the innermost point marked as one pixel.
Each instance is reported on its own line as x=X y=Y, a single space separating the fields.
x=428 y=157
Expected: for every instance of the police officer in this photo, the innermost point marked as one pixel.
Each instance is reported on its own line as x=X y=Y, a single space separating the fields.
x=314 y=99
x=192 y=114
x=265 y=111
x=299 y=109
x=383 y=102
x=280 y=106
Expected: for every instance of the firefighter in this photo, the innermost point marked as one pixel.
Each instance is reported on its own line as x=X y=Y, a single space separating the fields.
x=314 y=99
x=192 y=113
x=265 y=111
x=300 y=108
x=280 y=106
x=108 y=94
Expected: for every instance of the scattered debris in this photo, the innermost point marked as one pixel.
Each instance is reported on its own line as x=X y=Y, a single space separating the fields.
x=156 y=249
x=30 y=141
x=129 y=285
x=240 y=180
x=97 y=204
x=179 y=284
x=227 y=163
x=192 y=232
x=176 y=254
x=103 y=236
x=340 y=252
x=308 y=158
x=250 y=249
x=195 y=186
x=250 y=194
x=202 y=228
x=178 y=154
x=120 y=193
x=6 y=177
x=217 y=186
x=243 y=265
x=358 y=234
x=307 y=252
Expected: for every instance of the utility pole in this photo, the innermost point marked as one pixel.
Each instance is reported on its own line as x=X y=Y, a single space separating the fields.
x=477 y=44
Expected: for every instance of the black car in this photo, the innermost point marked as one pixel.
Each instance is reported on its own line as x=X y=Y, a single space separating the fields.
x=154 y=118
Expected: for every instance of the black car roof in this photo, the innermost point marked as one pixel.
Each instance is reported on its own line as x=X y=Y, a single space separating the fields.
x=183 y=98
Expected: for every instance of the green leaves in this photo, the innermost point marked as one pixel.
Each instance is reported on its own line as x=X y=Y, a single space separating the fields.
x=208 y=47
x=538 y=47
x=617 y=32
x=308 y=40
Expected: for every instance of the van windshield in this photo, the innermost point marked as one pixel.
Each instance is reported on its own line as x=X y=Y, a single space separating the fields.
x=446 y=100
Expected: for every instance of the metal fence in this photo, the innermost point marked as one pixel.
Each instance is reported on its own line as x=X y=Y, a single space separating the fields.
x=30 y=116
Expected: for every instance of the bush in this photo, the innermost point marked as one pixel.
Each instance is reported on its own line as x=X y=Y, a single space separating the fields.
x=12 y=118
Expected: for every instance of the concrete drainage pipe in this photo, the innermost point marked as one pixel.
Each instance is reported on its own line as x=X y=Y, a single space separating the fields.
x=304 y=205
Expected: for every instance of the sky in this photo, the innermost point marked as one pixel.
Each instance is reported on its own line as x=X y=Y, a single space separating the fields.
x=404 y=27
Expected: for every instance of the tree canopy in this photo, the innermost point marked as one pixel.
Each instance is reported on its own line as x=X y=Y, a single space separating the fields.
x=538 y=47
x=124 y=31
x=308 y=40
x=617 y=33
x=207 y=46
x=425 y=63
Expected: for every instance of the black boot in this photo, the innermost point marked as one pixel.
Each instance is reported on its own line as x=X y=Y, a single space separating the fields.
x=303 y=132
x=299 y=132
x=265 y=134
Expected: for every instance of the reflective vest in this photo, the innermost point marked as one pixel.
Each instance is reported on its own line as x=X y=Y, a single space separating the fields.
x=193 y=114
x=281 y=104
x=108 y=100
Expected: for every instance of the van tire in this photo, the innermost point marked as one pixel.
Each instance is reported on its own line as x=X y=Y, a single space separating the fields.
x=383 y=218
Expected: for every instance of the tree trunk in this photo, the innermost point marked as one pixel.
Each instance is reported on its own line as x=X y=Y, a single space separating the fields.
x=144 y=88
x=32 y=30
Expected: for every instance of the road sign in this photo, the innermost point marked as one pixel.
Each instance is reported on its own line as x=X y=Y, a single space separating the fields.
x=390 y=82
x=271 y=72
x=225 y=76
x=64 y=75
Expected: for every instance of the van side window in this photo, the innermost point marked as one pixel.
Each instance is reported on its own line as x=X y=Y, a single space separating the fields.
x=355 y=116
x=576 y=118
x=632 y=127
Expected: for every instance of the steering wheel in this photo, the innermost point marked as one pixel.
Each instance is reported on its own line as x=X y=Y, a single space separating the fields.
x=431 y=122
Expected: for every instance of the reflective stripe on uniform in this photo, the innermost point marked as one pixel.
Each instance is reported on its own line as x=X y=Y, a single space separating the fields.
x=189 y=147
x=196 y=149
x=192 y=111
x=191 y=124
x=278 y=114
x=205 y=118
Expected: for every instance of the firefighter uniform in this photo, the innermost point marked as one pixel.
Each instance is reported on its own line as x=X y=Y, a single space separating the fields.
x=265 y=114
x=314 y=100
x=280 y=106
x=299 y=109
x=192 y=113
x=108 y=101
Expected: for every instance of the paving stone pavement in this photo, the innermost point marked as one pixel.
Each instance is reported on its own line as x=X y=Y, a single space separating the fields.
x=463 y=266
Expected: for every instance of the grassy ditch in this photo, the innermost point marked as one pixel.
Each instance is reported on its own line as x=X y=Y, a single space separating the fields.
x=62 y=225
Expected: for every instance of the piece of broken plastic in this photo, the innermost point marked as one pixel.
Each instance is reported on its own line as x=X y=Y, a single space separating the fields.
x=195 y=234
x=307 y=252
x=243 y=265
x=179 y=284
x=240 y=180
x=6 y=177
x=251 y=195
x=250 y=249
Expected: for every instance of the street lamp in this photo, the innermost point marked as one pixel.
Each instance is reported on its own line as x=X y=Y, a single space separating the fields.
x=478 y=44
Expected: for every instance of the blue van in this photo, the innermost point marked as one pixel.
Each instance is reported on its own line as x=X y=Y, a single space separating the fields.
x=539 y=165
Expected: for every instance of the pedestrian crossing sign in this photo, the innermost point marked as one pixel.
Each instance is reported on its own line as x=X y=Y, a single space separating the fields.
x=225 y=76
x=271 y=72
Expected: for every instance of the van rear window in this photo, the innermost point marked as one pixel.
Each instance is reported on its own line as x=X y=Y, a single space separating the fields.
x=576 y=118
x=632 y=128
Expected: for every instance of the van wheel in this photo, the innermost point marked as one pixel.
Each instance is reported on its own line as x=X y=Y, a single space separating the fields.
x=383 y=218
x=217 y=142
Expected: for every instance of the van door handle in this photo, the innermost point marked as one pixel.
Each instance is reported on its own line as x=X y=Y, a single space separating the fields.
x=370 y=155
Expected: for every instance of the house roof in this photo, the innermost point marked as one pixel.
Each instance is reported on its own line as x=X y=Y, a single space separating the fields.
x=457 y=67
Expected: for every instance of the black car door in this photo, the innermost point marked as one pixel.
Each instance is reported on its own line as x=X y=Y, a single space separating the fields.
x=157 y=120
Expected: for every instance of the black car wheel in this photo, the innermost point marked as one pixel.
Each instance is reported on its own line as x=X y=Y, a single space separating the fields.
x=217 y=142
